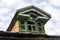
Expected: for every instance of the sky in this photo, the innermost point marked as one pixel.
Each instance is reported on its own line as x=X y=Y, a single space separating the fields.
x=8 y=9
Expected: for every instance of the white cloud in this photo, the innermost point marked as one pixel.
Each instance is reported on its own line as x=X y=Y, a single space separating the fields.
x=3 y=26
x=4 y=21
x=49 y=28
x=54 y=2
x=4 y=11
x=22 y=4
x=43 y=4
x=54 y=21
x=55 y=13
x=8 y=3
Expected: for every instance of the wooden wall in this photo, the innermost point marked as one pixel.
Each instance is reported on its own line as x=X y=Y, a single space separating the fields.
x=15 y=27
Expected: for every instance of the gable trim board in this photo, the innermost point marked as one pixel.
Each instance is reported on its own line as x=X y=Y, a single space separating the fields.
x=33 y=10
x=23 y=10
x=33 y=7
x=44 y=16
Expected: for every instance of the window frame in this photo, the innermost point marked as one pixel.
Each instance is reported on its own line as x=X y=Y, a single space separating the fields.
x=24 y=26
x=40 y=26
x=32 y=30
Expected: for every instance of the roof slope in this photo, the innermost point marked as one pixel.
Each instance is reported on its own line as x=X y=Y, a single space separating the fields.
x=20 y=35
x=23 y=9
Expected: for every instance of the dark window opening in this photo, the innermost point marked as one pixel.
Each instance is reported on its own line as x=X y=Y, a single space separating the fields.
x=39 y=24
x=30 y=22
x=22 y=25
x=34 y=16
x=40 y=28
x=29 y=27
x=22 y=22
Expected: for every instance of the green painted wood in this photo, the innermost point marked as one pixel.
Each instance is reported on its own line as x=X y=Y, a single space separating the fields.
x=19 y=23
x=43 y=28
x=37 y=28
x=26 y=26
x=36 y=32
x=20 y=27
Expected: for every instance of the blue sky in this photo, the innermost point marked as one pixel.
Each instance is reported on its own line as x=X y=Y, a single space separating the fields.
x=9 y=7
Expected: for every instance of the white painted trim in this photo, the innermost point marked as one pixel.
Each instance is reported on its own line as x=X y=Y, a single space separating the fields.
x=24 y=15
x=41 y=17
x=33 y=10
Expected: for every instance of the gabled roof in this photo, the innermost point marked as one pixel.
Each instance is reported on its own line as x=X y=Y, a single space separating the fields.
x=23 y=9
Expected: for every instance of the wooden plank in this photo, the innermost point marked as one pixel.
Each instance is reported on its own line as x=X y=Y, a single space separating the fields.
x=15 y=27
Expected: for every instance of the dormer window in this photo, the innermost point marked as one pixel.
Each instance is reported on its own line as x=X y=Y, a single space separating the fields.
x=28 y=20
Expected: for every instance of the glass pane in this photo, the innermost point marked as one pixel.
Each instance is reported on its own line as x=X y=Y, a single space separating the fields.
x=23 y=27
x=29 y=28
x=22 y=22
x=33 y=28
x=39 y=24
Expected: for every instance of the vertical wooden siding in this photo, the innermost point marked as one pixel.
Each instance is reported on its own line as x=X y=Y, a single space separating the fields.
x=15 y=27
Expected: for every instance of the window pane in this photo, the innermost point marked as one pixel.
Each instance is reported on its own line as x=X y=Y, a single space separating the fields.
x=22 y=22
x=33 y=28
x=23 y=27
x=29 y=27
x=39 y=24
x=40 y=28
